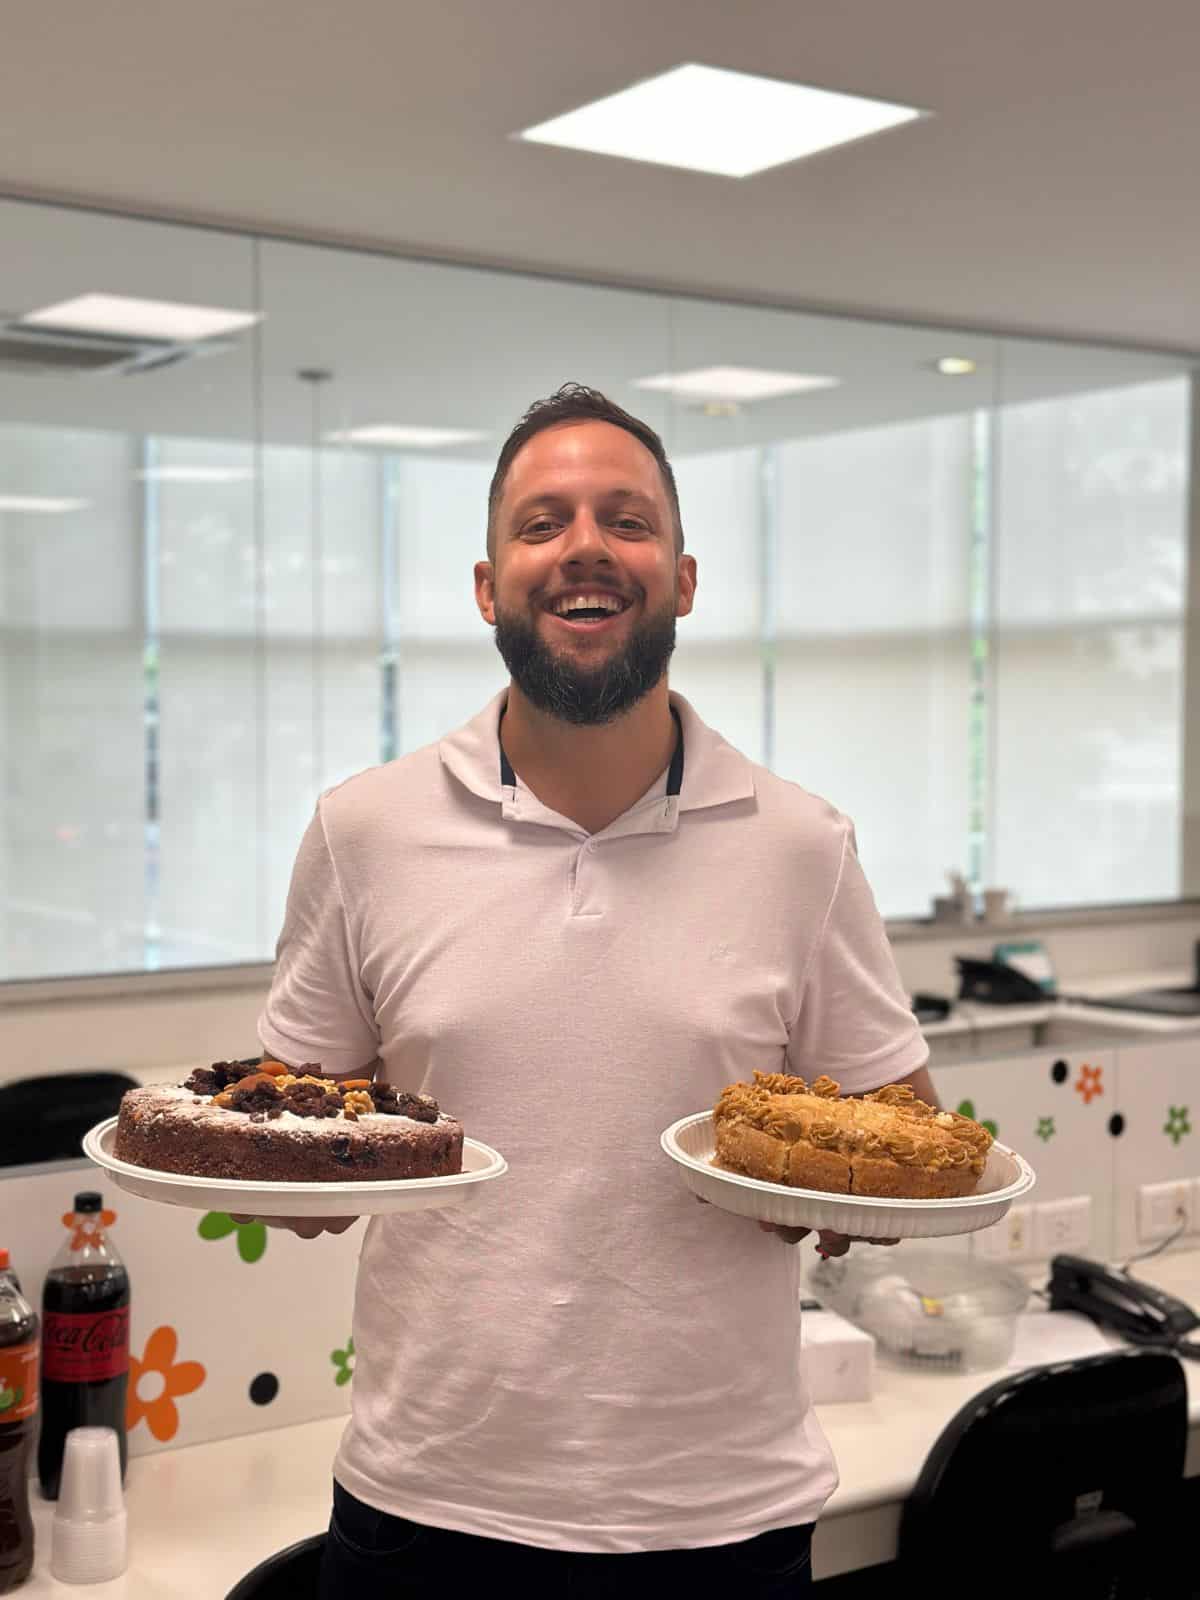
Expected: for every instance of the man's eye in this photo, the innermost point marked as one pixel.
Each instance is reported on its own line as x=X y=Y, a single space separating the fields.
x=543 y=525
x=631 y=524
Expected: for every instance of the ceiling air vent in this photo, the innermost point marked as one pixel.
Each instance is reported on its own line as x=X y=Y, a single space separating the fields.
x=51 y=352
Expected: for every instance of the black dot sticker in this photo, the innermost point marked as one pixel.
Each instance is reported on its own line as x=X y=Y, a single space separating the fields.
x=264 y=1388
x=1116 y=1124
x=1060 y=1072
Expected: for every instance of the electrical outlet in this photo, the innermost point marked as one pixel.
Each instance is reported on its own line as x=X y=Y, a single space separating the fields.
x=1162 y=1207
x=1060 y=1225
x=1010 y=1239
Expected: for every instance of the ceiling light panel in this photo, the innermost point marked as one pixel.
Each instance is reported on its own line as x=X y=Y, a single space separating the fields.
x=706 y=119
x=734 y=383
x=39 y=503
x=121 y=315
x=401 y=436
x=955 y=366
x=195 y=474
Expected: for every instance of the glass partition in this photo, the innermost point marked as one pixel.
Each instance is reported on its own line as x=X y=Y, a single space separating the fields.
x=236 y=567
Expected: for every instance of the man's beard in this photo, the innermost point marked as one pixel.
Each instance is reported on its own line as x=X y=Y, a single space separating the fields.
x=586 y=696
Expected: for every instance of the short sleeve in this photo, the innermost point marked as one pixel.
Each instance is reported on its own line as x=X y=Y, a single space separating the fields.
x=855 y=1022
x=318 y=1009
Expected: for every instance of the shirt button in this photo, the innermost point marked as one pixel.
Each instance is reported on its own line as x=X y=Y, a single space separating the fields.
x=591 y=844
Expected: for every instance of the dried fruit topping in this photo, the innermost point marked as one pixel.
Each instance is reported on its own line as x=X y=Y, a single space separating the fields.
x=394 y=1102
x=205 y=1080
x=358 y=1103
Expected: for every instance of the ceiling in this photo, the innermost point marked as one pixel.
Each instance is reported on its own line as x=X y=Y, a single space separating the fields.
x=1053 y=191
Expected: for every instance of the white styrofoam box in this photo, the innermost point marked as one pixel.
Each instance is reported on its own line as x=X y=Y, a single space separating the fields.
x=839 y=1359
x=1160 y=1142
x=266 y=1332
x=1062 y=1226
x=1053 y=1107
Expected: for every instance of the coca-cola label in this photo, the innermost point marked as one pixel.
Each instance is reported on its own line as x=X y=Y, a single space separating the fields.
x=85 y=1346
x=18 y=1381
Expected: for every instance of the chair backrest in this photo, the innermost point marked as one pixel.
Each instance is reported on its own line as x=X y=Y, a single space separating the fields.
x=1066 y=1475
x=45 y=1118
x=290 y=1574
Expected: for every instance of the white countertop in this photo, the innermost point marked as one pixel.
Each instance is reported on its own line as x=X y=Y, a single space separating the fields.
x=200 y=1518
x=976 y=1016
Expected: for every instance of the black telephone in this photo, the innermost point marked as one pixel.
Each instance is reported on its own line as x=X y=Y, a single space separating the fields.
x=1138 y=1311
x=997 y=983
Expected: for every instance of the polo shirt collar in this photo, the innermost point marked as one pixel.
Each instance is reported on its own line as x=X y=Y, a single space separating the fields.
x=714 y=772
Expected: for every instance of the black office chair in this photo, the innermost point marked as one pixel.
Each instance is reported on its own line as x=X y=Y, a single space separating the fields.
x=1064 y=1478
x=289 y=1574
x=45 y=1118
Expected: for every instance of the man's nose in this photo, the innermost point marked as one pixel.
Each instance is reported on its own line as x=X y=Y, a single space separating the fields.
x=584 y=539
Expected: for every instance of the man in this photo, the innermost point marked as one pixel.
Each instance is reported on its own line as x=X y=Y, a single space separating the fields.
x=574 y=921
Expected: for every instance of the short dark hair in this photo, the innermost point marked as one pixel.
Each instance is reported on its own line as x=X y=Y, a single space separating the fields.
x=575 y=402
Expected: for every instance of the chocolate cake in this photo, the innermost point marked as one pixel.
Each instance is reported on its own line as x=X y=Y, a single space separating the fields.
x=260 y=1121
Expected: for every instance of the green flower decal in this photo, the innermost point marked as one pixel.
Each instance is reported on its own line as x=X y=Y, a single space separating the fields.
x=11 y=1397
x=1177 y=1123
x=1045 y=1128
x=343 y=1360
x=966 y=1108
x=251 y=1236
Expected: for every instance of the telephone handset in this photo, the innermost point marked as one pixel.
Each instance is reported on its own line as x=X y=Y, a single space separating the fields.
x=1137 y=1310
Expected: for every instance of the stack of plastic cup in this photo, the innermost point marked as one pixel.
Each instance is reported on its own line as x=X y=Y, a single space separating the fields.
x=88 y=1537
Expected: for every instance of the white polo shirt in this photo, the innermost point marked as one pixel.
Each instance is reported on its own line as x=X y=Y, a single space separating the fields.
x=583 y=1357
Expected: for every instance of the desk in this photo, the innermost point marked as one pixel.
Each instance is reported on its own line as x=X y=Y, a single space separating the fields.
x=881 y=1443
x=201 y=1517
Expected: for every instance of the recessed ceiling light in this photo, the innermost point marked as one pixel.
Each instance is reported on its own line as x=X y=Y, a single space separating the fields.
x=955 y=366
x=39 y=503
x=195 y=474
x=711 y=120
x=398 y=435
x=140 y=319
x=733 y=383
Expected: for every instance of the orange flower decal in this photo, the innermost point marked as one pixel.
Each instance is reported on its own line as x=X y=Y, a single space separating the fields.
x=154 y=1400
x=89 y=1228
x=1088 y=1083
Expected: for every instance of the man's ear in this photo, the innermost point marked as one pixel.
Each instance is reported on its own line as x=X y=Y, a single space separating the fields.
x=485 y=591
x=685 y=573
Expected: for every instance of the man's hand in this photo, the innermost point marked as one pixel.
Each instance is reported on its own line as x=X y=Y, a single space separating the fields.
x=828 y=1243
x=304 y=1227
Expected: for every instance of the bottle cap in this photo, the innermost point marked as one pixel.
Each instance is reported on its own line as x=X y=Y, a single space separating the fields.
x=4 y=1261
x=89 y=1200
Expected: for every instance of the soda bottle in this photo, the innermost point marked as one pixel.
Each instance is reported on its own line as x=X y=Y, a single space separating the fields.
x=7 y=1270
x=85 y=1339
x=18 y=1403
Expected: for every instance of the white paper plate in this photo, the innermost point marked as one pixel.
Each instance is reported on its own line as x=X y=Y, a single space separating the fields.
x=243 y=1198
x=692 y=1142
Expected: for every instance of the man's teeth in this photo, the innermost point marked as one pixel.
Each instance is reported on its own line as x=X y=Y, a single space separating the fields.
x=588 y=602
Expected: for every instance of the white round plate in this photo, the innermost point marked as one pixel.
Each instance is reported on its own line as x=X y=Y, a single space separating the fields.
x=244 y=1198
x=692 y=1143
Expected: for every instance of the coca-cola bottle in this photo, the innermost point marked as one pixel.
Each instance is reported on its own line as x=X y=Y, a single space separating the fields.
x=85 y=1340
x=18 y=1404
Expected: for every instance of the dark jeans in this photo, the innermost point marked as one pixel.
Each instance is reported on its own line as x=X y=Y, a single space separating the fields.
x=371 y=1556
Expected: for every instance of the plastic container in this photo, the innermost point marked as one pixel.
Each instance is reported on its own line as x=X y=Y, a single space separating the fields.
x=90 y=1528
x=928 y=1310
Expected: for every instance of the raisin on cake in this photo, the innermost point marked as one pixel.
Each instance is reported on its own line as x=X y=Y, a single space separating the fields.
x=262 y=1121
